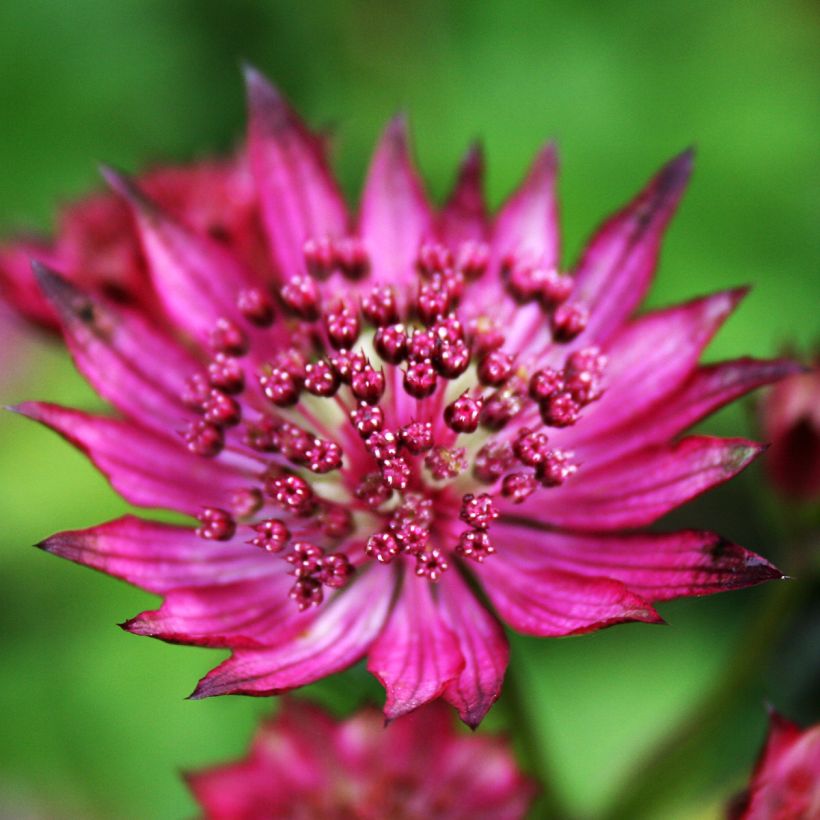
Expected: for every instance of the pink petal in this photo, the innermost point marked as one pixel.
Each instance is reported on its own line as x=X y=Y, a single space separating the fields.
x=125 y=358
x=417 y=654
x=617 y=265
x=464 y=216
x=158 y=557
x=146 y=469
x=551 y=603
x=643 y=486
x=656 y=566
x=395 y=215
x=298 y=196
x=482 y=644
x=339 y=635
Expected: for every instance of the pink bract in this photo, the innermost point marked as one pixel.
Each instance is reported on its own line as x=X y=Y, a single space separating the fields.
x=390 y=411
x=305 y=764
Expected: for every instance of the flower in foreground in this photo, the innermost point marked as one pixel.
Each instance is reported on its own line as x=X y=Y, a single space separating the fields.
x=397 y=430
x=303 y=763
x=785 y=784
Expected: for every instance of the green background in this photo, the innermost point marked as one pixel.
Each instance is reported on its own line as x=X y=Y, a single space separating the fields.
x=92 y=720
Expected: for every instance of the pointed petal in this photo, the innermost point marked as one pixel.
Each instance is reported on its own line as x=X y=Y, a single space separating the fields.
x=146 y=469
x=483 y=646
x=656 y=566
x=18 y=288
x=464 y=216
x=339 y=635
x=643 y=486
x=158 y=557
x=417 y=654
x=125 y=358
x=551 y=603
x=395 y=215
x=298 y=196
x=617 y=265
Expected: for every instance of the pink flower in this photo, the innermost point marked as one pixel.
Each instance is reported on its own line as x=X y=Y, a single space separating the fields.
x=421 y=403
x=303 y=763
x=785 y=783
x=790 y=415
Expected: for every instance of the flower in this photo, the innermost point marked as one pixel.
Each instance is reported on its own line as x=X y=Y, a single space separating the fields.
x=790 y=417
x=303 y=763
x=416 y=405
x=785 y=783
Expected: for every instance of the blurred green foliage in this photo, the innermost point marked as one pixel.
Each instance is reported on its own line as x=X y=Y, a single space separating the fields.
x=93 y=720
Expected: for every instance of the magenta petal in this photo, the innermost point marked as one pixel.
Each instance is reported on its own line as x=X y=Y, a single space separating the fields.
x=643 y=486
x=617 y=265
x=338 y=636
x=464 y=216
x=656 y=566
x=417 y=654
x=395 y=215
x=297 y=194
x=551 y=603
x=158 y=557
x=125 y=358
x=482 y=644
x=146 y=469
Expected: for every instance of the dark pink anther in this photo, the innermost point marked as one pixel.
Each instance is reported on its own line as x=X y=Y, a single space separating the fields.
x=545 y=382
x=335 y=570
x=452 y=359
x=559 y=410
x=292 y=493
x=492 y=461
x=420 y=379
x=556 y=468
x=197 y=388
x=495 y=368
x=320 y=256
x=226 y=374
x=478 y=510
x=246 y=501
x=472 y=259
x=280 y=387
x=293 y=442
x=305 y=559
x=462 y=415
x=530 y=447
x=215 y=524
x=383 y=547
x=524 y=281
x=395 y=473
x=415 y=508
x=372 y=490
x=272 y=535
x=433 y=300
x=368 y=384
x=342 y=326
x=475 y=545
x=221 y=410
x=434 y=258
x=366 y=419
x=293 y=361
x=485 y=334
x=323 y=456
x=301 y=297
x=454 y=283
x=448 y=329
x=256 y=305
x=204 y=439
x=351 y=257
x=336 y=521
x=568 y=321
x=582 y=374
x=307 y=593
x=391 y=343
x=228 y=338
x=556 y=288
x=444 y=462
x=412 y=537
x=417 y=437
x=321 y=379
x=431 y=564
x=346 y=363
x=262 y=435
x=379 y=306
x=383 y=445
x=422 y=345
x=503 y=405
x=518 y=487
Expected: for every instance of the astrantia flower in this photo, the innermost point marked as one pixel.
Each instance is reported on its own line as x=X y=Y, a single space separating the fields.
x=785 y=783
x=414 y=405
x=305 y=764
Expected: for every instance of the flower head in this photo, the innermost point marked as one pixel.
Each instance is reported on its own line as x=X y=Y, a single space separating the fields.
x=785 y=784
x=389 y=410
x=303 y=763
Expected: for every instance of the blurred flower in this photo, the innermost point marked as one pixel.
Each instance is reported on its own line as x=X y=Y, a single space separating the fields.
x=790 y=417
x=305 y=764
x=785 y=783
x=421 y=405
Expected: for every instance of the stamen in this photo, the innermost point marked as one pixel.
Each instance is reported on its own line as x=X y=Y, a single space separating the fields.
x=379 y=306
x=342 y=326
x=321 y=379
x=221 y=410
x=462 y=415
x=475 y=545
x=417 y=436
x=383 y=547
x=495 y=368
x=215 y=524
x=568 y=321
x=367 y=419
x=228 y=338
x=226 y=374
x=301 y=297
x=518 y=487
x=431 y=564
x=272 y=535
x=204 y=439
x=478 y=511
x=492 y=461
x=420 y=379
x=445 y=462
x=256 y=306
x=556 y=468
